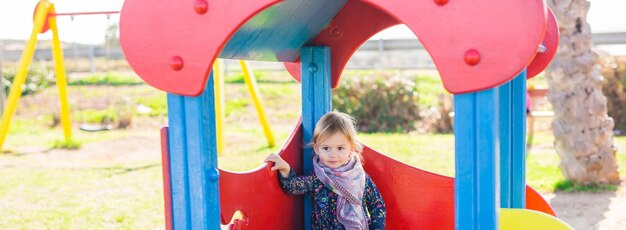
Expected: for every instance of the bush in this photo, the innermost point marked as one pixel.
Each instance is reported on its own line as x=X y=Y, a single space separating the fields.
x=381 y=104
x=614 y=88
x=38 y=78
x=125 y=112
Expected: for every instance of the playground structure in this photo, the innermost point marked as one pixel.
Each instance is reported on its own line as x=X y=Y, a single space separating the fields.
x=484 y=50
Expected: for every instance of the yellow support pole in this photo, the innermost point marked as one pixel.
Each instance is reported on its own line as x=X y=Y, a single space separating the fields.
x=218 y=81
x=59 y=70
x=254 y=92
x=20 y=77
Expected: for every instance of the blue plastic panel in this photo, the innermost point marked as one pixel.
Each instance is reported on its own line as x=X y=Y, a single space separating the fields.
x=193 y=160
x=277 y=33
x=316 y=101
x=476 y=196
x=513 y=143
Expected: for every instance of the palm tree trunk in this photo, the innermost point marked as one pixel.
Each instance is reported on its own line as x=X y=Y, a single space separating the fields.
x=582 y=129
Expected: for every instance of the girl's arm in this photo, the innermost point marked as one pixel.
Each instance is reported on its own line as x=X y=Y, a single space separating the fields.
x=288 y=180
x=279 y=164
x=297 y=185
x=375 y=205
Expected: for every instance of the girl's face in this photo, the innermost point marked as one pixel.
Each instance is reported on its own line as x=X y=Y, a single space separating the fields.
x=334 y=151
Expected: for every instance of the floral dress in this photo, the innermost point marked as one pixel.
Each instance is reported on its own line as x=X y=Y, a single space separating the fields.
x=324 y=215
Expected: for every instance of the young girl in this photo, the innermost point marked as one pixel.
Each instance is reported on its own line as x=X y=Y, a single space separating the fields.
x=342 y=192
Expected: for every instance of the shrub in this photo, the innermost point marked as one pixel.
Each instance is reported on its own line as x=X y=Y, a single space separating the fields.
x=38 y=78
x=614 y=88
x=125 y=111
x=381 y=104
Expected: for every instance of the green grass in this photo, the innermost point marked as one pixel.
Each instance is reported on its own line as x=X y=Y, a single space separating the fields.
x=247 y=147
x=542 y=171
x=431 y=152
x=621 y=154
x=93 y=116
x=36 y=133
x=66 y=144
x=82 y=198
x=157 y=104
x=569 y=186
x=107 y=79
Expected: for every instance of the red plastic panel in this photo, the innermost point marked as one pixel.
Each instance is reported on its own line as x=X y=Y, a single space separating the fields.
x=551 y=42
x=353 y=25
x=167 y=185
x=259 y=196
x=474 y=44
x=172 y=44
x=536 y=202
x=417 y=199
x=504 y=34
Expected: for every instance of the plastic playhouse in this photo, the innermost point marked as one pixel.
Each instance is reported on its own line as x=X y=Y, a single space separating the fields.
x=484 y=51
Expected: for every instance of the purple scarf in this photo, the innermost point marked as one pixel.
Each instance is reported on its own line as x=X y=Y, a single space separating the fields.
x=347 y=181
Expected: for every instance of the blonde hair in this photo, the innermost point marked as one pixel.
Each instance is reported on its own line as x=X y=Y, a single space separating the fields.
x=337 y=122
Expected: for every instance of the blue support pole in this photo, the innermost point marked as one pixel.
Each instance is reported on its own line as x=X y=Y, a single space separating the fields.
x=316 y=101
x=476 y=196
x=193 y=160
x=513 y=142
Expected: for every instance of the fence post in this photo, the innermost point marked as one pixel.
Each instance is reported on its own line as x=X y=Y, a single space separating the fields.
x=2 y=93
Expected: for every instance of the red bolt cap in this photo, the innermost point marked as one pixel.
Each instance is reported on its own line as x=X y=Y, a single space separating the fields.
x=472 y=57
x=201 y=6
x=176 y=63
x=441 y=2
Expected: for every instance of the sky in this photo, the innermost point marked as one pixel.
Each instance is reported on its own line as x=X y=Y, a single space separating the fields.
x=16 y=19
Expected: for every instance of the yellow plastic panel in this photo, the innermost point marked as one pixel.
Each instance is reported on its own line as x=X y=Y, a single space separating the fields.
x=523 y=219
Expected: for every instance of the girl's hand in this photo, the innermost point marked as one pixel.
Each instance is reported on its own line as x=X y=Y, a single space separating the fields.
x=279 y=164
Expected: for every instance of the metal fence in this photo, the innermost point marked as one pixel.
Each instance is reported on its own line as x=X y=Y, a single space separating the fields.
x=374 y=54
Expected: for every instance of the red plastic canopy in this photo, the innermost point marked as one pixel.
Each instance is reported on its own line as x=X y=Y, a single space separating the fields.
x=474 y=44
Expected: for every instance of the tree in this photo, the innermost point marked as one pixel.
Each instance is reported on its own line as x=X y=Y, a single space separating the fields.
x=111 y=37
x=582 y=129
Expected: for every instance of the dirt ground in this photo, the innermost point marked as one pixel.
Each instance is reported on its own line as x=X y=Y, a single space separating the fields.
x=604 y=210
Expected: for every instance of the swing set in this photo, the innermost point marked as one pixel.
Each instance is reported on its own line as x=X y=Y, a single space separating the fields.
x=44 y=19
